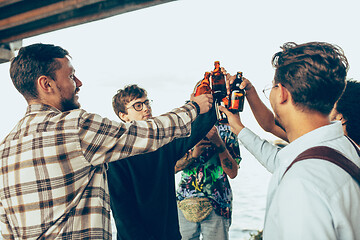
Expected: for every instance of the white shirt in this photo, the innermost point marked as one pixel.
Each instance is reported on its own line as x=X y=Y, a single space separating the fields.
x=315 y=199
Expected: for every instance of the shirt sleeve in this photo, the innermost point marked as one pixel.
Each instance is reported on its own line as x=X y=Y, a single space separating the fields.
x=103 y=140
x=200 y=127
x=262 y=150
x=6 y=231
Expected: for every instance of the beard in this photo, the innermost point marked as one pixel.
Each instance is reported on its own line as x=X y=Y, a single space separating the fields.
x=70 y=104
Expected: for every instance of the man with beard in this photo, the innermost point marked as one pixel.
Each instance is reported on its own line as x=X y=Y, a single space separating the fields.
x=53 y=163
x=314 y=199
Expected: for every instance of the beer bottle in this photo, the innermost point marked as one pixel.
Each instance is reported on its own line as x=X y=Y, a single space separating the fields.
x=237 y=95
x=221 y=117
x=218 y=82
x=204 y=86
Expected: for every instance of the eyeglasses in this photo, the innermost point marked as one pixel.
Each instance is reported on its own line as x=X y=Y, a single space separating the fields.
x=138 y=106
x=268 y=89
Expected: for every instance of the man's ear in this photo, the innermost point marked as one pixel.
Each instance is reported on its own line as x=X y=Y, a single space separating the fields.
x=45 y=84
x=123 y=116
x=340 y=117
x=284 y=94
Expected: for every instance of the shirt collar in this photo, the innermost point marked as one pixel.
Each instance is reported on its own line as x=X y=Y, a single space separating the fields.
x=36 y=108
x=314 y=138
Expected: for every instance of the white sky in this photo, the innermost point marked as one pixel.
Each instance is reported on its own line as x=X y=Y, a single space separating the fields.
x=167 y=48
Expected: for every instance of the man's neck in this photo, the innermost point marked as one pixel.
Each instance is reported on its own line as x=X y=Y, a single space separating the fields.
x=302 y=123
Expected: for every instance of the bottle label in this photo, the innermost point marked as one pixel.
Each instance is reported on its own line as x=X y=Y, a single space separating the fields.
x=235 y=104
x=237 y=101
x=221 y=117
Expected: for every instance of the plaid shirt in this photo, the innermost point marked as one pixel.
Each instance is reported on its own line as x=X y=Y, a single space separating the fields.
x=53 y=181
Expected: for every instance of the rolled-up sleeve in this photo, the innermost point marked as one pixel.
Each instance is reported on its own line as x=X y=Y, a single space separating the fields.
x=103 y=140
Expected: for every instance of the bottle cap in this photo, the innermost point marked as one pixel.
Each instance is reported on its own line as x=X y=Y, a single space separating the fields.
x=239 y=74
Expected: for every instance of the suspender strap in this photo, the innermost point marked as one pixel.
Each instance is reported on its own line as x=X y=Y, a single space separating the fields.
x=331 y=155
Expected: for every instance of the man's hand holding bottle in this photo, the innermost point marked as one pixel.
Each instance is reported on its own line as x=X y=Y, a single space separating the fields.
x=234 y=118
x=205 y=102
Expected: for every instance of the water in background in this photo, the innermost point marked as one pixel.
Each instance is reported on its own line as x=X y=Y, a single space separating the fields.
x=249 y=192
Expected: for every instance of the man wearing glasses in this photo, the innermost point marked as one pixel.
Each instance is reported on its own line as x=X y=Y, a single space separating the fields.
x=142 y=188
x=315 y=199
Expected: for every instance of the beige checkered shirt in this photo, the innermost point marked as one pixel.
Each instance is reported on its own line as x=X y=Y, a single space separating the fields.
x=53 y=180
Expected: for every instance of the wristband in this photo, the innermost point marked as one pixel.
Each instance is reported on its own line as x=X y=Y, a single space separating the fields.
x=196 y=106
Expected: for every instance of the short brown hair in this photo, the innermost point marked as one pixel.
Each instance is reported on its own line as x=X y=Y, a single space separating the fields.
x=314 y=73
x=126 y=95
x=32 y=62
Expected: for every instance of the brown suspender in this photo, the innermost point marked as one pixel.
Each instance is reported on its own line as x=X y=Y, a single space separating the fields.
x=331 y=155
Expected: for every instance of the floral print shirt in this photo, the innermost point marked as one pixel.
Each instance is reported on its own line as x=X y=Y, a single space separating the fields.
x=206 y=178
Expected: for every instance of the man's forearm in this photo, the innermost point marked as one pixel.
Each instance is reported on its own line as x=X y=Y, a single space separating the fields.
x=263 y=115
x=184 y=162
x=125 y=140
x=228 y=163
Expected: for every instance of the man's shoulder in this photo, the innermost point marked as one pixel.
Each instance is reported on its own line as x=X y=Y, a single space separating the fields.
x=326 y=176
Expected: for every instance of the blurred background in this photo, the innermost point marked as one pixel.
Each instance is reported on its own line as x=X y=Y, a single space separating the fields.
x=167 y=48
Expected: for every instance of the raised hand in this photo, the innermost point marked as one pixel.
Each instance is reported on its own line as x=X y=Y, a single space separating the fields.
x=234 y=120
x=205 y=102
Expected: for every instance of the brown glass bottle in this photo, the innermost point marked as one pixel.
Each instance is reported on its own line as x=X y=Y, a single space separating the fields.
x=218 y=82
x=221 y=117
x=204 y=86
x=237 y=95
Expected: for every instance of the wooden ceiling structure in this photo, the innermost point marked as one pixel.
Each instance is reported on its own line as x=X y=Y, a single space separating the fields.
x=21 y=19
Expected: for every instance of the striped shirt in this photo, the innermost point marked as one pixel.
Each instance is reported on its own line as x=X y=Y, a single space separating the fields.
x=53 y=181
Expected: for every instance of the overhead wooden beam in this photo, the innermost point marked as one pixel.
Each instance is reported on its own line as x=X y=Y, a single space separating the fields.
x=44 y=12
x=8 y=2
x=53 y=15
